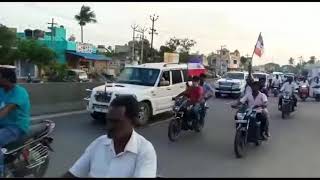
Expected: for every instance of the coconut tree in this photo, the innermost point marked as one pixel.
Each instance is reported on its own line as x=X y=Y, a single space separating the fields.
x=85 y=16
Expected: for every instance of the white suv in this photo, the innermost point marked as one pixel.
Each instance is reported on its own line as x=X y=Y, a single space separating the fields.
x=153 y=84
x=233 y=83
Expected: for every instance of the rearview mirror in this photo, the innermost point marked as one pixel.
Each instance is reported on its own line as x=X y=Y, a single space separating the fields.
x=164 y=83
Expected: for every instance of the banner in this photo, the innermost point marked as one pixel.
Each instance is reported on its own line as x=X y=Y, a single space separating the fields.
x=171 y=58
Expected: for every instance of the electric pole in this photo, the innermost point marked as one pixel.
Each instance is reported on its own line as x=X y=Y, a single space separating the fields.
x=52 y=30
x=142 y=31
x=134 y=29
x=221 y=58
x=153 y=18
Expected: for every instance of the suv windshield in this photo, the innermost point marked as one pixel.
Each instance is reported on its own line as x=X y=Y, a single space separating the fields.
x=234 y=76
x=258 y=76
x=138 y=76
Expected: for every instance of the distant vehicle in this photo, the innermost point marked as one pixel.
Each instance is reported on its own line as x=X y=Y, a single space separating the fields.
x=286 y=75
x=233 y=83
x=153 y=84
x=259 y=75
x=76 y=75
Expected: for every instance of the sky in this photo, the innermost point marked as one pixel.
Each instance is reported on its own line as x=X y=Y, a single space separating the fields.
x=289 y=29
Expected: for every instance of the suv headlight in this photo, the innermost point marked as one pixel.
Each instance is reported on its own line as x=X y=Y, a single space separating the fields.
x=236 y=86
x=216 y=85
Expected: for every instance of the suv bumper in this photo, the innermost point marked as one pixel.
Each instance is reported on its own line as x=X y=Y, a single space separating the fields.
x=228 y=91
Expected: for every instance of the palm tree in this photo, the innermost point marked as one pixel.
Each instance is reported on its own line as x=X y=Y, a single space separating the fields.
x=291 y=61
x=85 y=16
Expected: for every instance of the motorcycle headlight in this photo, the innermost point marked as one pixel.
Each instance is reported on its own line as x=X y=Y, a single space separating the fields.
x=240 y=116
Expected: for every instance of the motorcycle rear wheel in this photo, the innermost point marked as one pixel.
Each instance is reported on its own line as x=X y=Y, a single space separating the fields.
x=41 y=170
x=174 y=129
x=240 y=144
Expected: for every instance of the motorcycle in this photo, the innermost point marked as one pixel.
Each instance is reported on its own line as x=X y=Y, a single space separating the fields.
x=316 y=92
x=303 y=92
x=184 y=119
x=287 y=105
x=248 y=129
x=30 y=154
x=275 y=91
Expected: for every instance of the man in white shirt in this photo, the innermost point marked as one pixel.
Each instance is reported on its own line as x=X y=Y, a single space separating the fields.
x=120 y=153
x=276 y=82
x=288 y=87
x=258 y=101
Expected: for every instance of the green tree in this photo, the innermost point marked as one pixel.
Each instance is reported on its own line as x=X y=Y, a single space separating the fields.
x=182 y=46
x=8 y=43
x=186 y=44
x=85 y=16
x=36 y=53
x=291 y=61
x=312 y=60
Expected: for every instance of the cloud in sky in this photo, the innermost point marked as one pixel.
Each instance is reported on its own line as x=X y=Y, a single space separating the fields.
x=288 y=29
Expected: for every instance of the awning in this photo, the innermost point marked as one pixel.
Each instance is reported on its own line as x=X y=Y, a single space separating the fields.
x=89 y=56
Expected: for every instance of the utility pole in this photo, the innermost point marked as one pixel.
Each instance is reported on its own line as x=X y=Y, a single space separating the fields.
x=153 y=18
x=221 y=58
x=142 y=31
x=52 y=24
x=134 y=29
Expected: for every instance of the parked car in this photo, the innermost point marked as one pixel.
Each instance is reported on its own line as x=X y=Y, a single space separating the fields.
x=76 y=75
x=153 y=84
x=233 y=83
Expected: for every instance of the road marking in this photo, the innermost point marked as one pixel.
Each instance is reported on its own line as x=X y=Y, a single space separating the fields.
x=55 y=115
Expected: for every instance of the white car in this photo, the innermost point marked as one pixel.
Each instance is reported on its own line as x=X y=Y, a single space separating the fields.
x=153 y=84
x=259 y=75
x=233 y=83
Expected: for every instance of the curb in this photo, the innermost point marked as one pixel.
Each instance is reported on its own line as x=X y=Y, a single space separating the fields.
x=55 y=115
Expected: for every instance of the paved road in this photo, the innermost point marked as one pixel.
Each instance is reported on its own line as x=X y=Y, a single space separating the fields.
x=293 y=150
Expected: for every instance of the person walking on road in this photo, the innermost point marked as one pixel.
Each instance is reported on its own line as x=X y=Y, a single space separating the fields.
x=120 y=153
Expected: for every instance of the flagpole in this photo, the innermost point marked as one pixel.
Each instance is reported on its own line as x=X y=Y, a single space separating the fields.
x=250 y=62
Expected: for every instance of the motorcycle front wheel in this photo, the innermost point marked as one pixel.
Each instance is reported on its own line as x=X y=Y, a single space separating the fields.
x=174 y=129
x=240 y=144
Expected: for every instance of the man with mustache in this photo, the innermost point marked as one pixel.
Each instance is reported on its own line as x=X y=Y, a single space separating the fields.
x=120 y=153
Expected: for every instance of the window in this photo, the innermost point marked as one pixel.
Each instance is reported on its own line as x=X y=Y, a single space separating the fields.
x=176 y=76
x=227 y=61
x=185 y=75
x=139 y=76
x=234 y=61
x=165 y=77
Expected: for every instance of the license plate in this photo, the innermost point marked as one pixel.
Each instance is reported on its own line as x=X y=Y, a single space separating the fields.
x=100 y=108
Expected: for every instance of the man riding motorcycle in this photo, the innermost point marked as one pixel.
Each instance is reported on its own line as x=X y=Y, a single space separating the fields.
x=276 y=82
x=259 y=101
x=290 y=87
x=195 y=95
x=315 y=82
x=14 y=110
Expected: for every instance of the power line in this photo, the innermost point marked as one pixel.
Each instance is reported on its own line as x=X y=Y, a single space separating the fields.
x=153 y=18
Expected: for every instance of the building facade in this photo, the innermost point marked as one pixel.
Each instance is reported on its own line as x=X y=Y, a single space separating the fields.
x=75 y=54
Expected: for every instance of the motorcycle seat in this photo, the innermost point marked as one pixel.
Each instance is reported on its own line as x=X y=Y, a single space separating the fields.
x=34 y=131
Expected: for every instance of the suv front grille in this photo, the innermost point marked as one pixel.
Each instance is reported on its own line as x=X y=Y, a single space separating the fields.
x=104 y=97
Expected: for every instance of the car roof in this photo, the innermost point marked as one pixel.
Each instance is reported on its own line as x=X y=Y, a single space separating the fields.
x=76 y=70
x=237 y=72
x=7 y=66
x=161 y=66
x=260 y=73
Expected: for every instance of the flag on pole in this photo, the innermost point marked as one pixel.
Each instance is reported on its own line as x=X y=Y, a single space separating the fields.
x=259 y=46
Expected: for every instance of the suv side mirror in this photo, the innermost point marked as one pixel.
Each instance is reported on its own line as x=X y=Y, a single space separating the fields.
x=164 y=83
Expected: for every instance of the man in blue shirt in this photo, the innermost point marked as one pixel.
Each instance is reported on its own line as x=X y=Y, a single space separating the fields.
x=14 y=110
